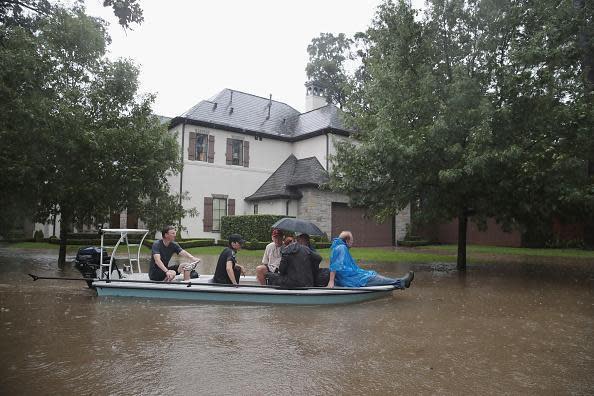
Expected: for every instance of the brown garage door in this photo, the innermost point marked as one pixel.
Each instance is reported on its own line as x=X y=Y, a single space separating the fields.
x=365 y=231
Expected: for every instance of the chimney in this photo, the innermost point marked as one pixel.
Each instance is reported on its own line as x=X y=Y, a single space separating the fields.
x=315 y=96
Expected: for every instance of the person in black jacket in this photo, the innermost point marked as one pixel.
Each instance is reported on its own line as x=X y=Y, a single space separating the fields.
x=298 y=267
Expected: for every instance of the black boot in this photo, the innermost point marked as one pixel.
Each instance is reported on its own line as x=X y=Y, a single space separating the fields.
x=408 y=279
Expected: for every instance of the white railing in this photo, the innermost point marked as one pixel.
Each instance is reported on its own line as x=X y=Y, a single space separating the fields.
x=107 y=268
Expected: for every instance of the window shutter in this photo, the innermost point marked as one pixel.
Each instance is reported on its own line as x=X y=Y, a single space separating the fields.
x=192 y=147
x=210 y=148
x=230 y=207
x=229 y=155
x=207 y=214
x=246 y=154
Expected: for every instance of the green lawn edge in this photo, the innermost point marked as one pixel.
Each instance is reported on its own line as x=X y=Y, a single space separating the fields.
x=424 y=254
x=539 y=252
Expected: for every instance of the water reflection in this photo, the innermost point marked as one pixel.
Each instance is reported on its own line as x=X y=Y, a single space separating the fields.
x=501 y=328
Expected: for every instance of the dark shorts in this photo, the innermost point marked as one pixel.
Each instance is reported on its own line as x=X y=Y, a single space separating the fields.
x=156 y=274
x=272 y=278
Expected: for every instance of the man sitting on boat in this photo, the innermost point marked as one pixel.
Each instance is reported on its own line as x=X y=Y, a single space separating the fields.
x=228 y=271
x=272 y=257
x=298 y=267
x=346 y=273
x=161 y=253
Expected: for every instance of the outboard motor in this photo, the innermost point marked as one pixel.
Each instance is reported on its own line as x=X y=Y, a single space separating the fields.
x=87 y=262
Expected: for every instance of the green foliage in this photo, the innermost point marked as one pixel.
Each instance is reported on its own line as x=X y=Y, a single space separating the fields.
x=413 y=243
x=38 y=236
x=19 y=11
x=185 y=244
x=197 y=243
x=162 y=208
x=255 y=245
x=481 y=109
x=127 y=11
x=76 y=138
x=321 y=245
x=251 y=227
x=326 y=66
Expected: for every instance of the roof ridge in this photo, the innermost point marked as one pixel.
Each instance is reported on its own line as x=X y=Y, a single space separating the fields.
x=327 y=105
x=260 y=97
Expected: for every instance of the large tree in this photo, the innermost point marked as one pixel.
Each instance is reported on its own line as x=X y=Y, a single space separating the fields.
x=327 y=65
x=479 y=109
x=76 y=138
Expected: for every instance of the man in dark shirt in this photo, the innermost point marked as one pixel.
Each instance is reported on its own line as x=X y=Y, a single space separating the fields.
x=228 y=271
x=161 y=253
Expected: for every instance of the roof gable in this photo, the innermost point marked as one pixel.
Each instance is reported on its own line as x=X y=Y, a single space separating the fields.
x=291 y=174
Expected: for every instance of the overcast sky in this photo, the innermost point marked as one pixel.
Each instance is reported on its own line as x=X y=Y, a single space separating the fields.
x=190 y=50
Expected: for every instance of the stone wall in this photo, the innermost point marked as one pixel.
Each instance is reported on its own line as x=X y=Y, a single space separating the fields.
x=316 y=206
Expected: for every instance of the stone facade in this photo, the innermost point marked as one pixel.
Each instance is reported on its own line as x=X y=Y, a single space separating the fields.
x=316 y=206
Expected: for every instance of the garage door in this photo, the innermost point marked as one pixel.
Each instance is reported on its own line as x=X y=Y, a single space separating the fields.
x=365 y=231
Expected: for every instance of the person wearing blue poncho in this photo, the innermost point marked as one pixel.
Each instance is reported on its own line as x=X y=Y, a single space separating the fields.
x=346 y=273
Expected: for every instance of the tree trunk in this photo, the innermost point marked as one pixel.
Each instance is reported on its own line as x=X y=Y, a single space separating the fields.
x=462 y=227
x=64 y=222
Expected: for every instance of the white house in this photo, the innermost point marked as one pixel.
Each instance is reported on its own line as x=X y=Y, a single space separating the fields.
x=245 y=154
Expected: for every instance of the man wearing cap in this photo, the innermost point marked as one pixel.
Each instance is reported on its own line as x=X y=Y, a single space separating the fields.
x=161 y=253
x=228 y=271
x=272 y=257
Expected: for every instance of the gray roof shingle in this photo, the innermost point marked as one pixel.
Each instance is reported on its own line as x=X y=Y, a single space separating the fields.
x=248 y=113
x=290 y=175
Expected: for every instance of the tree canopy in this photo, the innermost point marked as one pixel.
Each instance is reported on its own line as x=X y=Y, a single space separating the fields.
x=76 y=138
x=478 y=108
x=327 y=56
x=19 y=12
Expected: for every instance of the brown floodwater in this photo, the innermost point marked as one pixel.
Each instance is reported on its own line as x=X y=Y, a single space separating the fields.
x=507 y=328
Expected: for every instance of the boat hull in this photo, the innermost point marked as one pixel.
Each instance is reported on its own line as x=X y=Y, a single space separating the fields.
x=243 y=294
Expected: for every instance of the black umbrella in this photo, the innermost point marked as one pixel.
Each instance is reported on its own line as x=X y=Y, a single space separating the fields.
x=298 y=225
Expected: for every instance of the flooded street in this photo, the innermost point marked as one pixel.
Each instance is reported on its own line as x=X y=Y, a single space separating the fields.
x=514 y=328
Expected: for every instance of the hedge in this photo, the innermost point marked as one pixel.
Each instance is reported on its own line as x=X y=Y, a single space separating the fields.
x=249 y=245
x=413 y=243
x=250 y=227
x=321 y=245
x=185 y=244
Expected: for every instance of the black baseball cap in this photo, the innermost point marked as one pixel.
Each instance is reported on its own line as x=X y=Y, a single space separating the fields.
x=236 y=238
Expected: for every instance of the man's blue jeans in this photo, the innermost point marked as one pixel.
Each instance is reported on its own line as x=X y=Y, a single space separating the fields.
x=379 y=280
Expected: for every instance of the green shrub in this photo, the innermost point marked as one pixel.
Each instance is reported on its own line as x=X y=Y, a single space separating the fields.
x=84 y=235
x=197 y=243
x=250 y=227
x=255 y=245
x=413 y=243
x=322 y=238
x=321 y=245
x=187 y=243
x=38 y=236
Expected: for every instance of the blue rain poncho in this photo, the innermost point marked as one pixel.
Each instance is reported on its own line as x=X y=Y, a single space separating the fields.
x=348 y=274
